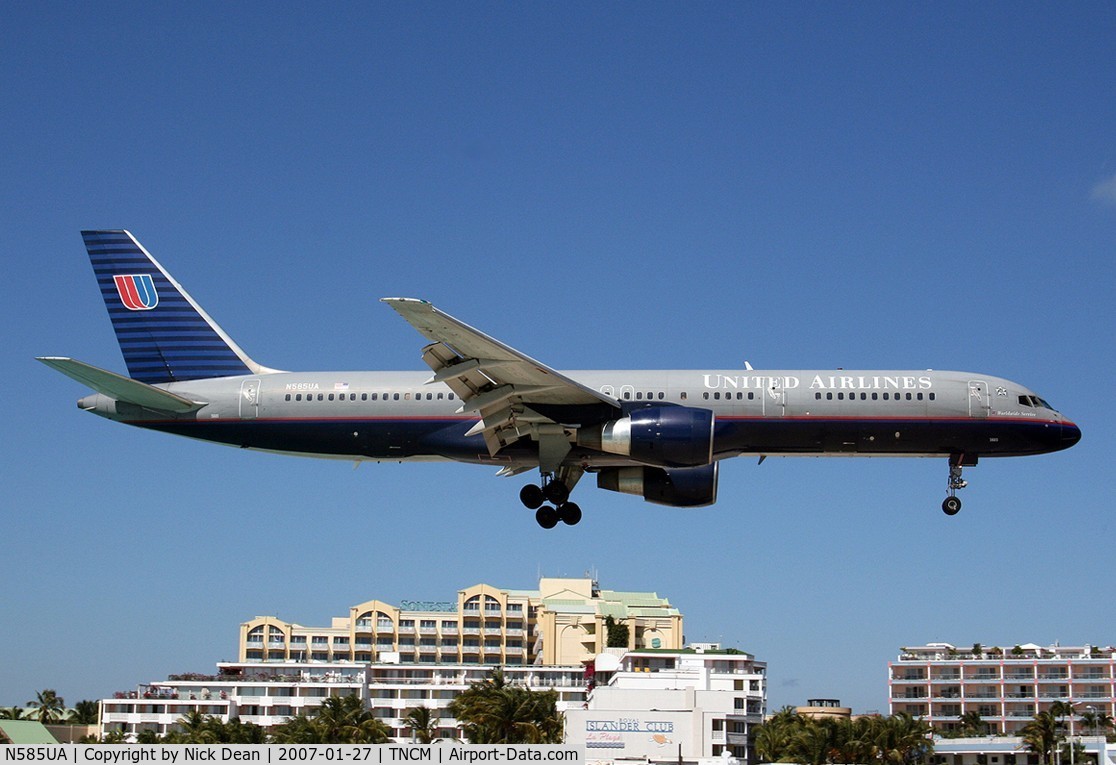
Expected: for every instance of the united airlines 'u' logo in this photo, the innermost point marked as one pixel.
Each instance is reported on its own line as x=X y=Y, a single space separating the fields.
x=137 y=291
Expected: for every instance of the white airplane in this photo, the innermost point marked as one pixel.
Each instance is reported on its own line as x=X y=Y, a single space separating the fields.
x=659 y=434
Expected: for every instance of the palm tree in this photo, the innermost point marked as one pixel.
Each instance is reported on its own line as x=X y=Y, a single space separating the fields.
x=1094 y=719
x=12 y=713
x=1041 y=735
x=423 y=724
x=495 y=712
x=345 y=720
x=1061 y=710
x=903 y=739
x=51 y=707
x=300 y=729
x=812 y=744
x=196 y=728
x=972 y=724
x=86 y=713
x=772 y=740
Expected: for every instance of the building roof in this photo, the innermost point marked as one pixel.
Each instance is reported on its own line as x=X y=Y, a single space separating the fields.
x=26 y=732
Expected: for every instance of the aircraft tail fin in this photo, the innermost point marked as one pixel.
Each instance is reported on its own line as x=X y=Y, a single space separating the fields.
x=163 y=334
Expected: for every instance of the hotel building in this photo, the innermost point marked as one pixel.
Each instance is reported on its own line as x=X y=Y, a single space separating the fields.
x=414 y=654
x=562 y=622
x=1006 y=686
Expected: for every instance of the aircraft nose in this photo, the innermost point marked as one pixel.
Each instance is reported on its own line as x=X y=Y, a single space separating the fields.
x=1071 y=434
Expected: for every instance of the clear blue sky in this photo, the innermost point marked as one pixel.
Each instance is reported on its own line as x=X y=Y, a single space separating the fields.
x=871 y=185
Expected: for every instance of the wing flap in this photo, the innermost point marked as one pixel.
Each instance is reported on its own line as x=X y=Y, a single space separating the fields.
x=121 y=388
x=494 y=379
x=484 y=358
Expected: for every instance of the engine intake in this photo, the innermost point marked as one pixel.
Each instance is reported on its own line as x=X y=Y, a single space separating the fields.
x=677 y=487
x=670 y=436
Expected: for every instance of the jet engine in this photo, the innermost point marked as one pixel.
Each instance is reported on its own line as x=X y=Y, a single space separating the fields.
x=670 y=436
x=677 y=487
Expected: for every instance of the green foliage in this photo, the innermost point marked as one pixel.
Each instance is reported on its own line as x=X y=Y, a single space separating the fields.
x=1041 y=735
x=495 y=712
x=85 y=713
x=617 y=634
x=896 y=740
x=339 y=720
x=49 y=707
x=423 y=724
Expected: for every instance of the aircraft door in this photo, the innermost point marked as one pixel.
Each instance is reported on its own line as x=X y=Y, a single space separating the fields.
x=249 y=399
x=775 y=398
x=979 y=402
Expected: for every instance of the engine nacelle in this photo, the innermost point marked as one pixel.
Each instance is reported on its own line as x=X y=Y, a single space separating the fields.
x=671 y=436
x=677 y=487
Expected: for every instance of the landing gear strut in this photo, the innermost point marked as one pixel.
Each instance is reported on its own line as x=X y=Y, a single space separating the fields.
x=553 y=490
x=952 y=505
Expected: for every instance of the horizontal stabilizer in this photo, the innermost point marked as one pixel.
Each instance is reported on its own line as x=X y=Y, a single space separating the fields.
x=121 y=388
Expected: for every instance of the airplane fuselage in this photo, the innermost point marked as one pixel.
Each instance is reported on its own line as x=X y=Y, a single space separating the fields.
x=659 y=434
x=396 y=416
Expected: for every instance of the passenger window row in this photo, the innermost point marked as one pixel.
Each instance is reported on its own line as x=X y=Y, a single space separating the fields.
x=368 y=397
x=875 y=396
x=640 y=395
x=728 y=395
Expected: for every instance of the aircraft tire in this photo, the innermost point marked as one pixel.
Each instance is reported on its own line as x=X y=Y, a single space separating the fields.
x=531 y=496
x=951 y=506
x=557 y=492
x=547 y=517
x=570 y=513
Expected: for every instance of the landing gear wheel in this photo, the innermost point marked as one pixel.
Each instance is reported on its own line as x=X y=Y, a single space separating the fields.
x=531 y=496
x=557 y=492
x=951 y=506
x=570 y=513
x=547 y=517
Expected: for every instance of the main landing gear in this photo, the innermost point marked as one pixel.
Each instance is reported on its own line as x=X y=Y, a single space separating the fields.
x=553 y=490
x=952 y=505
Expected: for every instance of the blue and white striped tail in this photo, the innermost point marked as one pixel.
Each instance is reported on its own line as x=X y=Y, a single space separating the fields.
x=164 y=335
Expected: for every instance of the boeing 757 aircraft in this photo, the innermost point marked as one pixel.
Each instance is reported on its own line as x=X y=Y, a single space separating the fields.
x=658 y=434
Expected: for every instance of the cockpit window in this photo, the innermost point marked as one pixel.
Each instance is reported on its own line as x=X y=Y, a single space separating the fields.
x=1035 y=401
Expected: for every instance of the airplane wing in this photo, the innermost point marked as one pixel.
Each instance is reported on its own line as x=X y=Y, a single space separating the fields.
x=514 y=394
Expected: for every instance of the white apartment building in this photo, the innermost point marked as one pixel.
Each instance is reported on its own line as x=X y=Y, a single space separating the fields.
x=270 y=694
x=1006 y=686
x=665 y=706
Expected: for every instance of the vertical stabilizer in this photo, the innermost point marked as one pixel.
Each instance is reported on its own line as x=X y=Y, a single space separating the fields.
x=164 y=335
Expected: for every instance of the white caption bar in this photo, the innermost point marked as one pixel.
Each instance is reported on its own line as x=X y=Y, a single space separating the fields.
x=282 y=754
